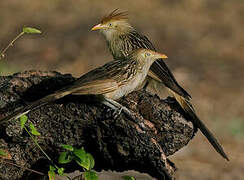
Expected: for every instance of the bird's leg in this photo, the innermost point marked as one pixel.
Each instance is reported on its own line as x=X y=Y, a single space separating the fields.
x=117 y=111
x=130 y=114
x=117 y=107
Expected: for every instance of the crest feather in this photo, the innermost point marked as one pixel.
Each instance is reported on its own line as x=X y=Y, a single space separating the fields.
x=115 y=15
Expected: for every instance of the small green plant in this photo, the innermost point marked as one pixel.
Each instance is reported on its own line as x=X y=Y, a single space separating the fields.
x=51 y=172
x=128 y=178
x=81 y=157
x=53 y=169
x=33 y=133
x=25 y=30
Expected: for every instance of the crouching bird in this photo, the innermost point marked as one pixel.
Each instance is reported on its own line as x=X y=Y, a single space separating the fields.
x=122 y=38
x=108 y=83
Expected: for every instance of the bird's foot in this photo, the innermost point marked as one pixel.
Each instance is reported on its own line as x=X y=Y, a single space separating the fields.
x=114 y=112
x=118 y=108
x=117 y=113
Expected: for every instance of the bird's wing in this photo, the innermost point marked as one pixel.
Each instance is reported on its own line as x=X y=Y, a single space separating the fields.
x=96 y=87
x=162 y=72
x=138 y=40
x=159 y=70
x=101 y=80
x=104 y=79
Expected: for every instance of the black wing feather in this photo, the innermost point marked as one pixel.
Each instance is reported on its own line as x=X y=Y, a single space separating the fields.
x=159 y=68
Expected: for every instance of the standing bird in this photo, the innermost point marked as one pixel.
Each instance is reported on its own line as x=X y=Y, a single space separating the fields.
x=122 y=38
x=108 y=83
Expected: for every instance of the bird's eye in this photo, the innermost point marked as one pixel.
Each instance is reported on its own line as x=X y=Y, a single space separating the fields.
x=110 y=24
x=147 y=54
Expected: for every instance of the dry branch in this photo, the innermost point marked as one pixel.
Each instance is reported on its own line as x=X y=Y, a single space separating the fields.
x=118 y=143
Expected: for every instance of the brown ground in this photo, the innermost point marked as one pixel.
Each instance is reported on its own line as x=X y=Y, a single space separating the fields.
x=203 y=40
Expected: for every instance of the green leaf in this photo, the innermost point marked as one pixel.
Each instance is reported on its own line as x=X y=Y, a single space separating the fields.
x=65 y=157
x=33 y=130
x=51 y=168
x=30 y=30
x=90 y=175
x=61 y=171
x=3 y=153
x=84 y=162
x=84 y=159
x=128 y=178
x=23 y=120
x=51 y=173
x=91 y=159
x=81 y=158
x=68 y=147
x=80 y=153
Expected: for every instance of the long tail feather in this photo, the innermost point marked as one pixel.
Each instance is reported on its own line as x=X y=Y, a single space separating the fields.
x=41 y=102
x=187 y=107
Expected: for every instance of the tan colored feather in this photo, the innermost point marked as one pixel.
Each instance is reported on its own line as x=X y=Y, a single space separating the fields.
x=152 y=75
x=96 y=87
x=114 y=15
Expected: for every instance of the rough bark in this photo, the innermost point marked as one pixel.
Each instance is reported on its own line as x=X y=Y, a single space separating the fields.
x=117 y=143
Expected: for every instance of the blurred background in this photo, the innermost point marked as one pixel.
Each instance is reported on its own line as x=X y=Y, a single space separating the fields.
x=203 y=40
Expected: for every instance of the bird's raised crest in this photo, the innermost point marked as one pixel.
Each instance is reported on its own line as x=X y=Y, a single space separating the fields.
x=115 y=15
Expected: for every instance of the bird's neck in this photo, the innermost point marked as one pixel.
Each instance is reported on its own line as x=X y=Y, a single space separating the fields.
x=143 y=64
x=112 y=35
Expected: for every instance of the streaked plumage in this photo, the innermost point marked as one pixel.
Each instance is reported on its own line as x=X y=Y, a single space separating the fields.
x=122 y=38
x=134 y=40
x=111 y=81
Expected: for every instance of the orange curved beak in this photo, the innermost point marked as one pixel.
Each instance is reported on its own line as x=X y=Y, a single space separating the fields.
x=163 y=56
x=159 y=55
x=97 y=27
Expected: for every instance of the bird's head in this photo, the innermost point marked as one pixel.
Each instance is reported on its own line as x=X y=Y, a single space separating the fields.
x=147 y=55
x=114 y=23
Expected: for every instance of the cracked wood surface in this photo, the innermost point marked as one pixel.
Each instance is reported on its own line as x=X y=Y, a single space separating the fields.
x=119 y=144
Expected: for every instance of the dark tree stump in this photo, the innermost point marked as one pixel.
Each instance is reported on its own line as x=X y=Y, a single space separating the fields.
x=116 y=143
